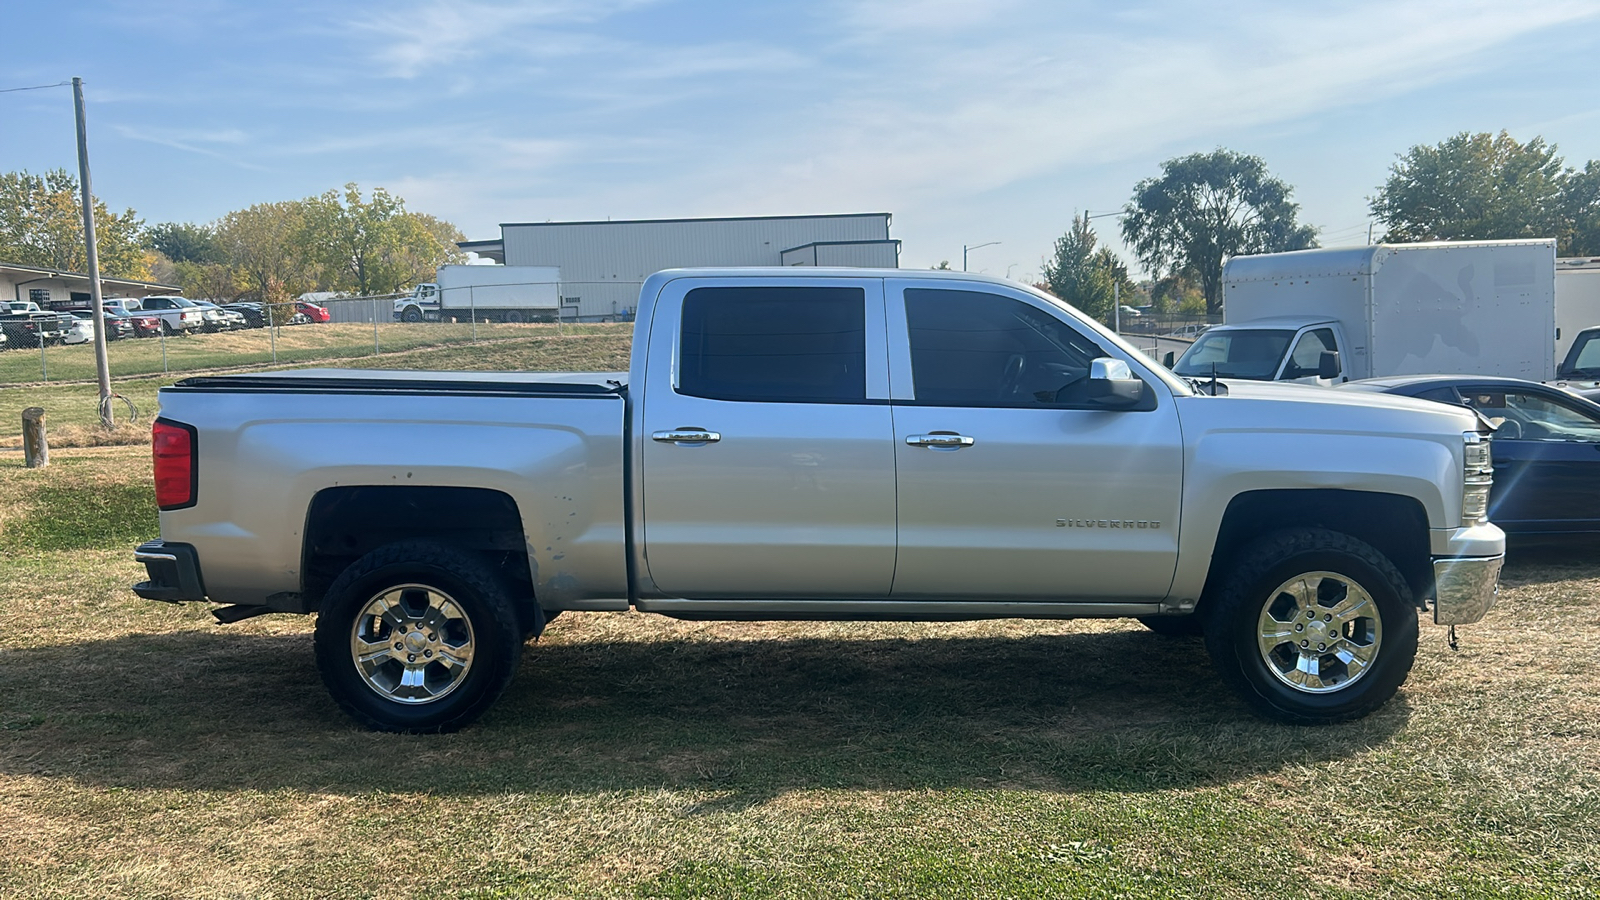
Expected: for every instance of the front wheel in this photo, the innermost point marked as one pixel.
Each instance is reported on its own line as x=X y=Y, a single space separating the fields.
x=1313 y=627
x=411 y=314
x=417 y=637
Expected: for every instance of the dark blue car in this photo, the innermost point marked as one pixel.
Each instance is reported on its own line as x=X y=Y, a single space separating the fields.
x=1546 y=451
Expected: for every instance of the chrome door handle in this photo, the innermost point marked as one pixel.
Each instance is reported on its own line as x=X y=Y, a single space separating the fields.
x=939 y=441
x=686 y=436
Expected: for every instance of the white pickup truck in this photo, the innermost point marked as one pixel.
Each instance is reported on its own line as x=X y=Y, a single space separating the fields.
x=839 y=444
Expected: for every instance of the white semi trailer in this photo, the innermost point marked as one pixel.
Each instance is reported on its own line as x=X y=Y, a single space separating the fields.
x=485 y=293
x=1324 y=316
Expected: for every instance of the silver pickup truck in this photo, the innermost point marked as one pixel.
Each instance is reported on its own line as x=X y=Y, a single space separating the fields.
x=838 y=444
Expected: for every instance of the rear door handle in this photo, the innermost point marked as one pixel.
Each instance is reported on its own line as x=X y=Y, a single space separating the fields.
x=686 y=436
x=939 y=440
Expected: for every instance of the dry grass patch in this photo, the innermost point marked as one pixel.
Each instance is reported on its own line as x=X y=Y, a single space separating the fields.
x=147 y=752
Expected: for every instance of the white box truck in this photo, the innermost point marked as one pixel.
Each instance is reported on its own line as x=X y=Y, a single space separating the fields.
x=485 y=293
x=1322 y=316
x=1577 y=300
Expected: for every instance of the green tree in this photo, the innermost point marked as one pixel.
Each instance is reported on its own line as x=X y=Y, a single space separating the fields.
x=1581 y=208
x=184 y=242
x=374 y=246
x=1080 y=274
x=1474 y=187
x=1206 y=207
x=41 y=224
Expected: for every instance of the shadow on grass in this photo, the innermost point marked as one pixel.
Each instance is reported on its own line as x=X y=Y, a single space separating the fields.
x=745 y=719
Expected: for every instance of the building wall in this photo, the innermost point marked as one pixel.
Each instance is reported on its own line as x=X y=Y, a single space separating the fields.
x=22 y=285
x=603 y=263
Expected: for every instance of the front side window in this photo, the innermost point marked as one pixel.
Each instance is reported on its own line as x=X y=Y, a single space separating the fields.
x=1306 y=360
x=973 y=348
x=1534 y=417
x=774 y=344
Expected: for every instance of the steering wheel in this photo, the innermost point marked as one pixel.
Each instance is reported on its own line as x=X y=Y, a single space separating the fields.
x=1011 y=376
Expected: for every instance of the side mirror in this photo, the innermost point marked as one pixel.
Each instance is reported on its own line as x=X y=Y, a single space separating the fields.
x=1167 y=360
x=1328 y=365
x=1111 y=383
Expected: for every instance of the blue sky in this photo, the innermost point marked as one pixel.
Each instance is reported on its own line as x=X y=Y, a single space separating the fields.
x=970 y=121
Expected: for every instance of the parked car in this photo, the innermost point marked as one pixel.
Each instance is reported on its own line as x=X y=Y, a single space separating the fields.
x=144 y=325
x=312 y=312
x=253 y=314
x=218 y=318
x=118 y=324
x=29 y=325
x=1546 y=449
x=122 y=304
x=81 y=331
x=178 y=315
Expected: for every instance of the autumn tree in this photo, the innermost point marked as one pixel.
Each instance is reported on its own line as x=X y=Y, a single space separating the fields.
x=265 y=243
x=1207 y=207
x=41 y=224
x=373 y=245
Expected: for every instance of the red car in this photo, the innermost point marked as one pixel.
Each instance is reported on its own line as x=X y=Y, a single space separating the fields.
x=312 y=311
x=144 y=326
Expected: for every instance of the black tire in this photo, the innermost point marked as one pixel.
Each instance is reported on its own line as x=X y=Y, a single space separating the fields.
x=460 y=576
x=411 y=314
x=1188 y=626
x=1236 y=619
x=514 y=317
x=167 y=329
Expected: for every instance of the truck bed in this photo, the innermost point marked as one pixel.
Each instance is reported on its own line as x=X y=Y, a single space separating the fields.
x=270 y=444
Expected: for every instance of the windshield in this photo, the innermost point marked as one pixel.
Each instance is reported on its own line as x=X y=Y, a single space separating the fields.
x=1235 y=354
x=1584 y=357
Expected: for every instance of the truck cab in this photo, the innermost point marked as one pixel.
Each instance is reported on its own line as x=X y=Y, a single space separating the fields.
x=1284 y=348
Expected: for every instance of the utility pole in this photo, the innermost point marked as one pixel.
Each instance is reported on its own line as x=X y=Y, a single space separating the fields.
x=102 y=368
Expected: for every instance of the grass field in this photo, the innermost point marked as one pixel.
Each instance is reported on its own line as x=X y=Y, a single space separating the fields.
x=300 y=344
x=503 y=348
x=147 y=752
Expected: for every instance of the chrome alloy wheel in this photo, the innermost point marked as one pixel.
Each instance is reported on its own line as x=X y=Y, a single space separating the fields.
x=412 y=644
x=1319 y=632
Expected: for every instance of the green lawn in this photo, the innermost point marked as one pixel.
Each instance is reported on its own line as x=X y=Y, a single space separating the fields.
x=147 y=752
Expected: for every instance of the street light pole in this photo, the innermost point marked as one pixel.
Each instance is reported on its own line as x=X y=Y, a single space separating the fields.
x=1116 y=286
x=965 y=248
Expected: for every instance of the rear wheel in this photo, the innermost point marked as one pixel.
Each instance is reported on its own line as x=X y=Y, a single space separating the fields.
x=514 y=316
x=417 y=637
x=1312 y=627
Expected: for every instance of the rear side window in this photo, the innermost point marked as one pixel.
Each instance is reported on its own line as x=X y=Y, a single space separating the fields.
x=774 y=344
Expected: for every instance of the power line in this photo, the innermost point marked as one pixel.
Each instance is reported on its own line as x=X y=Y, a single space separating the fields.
x=37 y=87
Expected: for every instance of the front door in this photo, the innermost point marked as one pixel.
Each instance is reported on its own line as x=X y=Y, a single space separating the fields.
x=768 y=460
x=1012 y=484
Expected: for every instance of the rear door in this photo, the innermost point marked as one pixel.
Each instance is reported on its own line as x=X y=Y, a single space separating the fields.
x=768 y=461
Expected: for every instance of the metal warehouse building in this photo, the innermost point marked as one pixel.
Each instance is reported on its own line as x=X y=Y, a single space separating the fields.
x=603 y=263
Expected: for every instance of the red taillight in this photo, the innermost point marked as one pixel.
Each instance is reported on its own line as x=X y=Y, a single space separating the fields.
x=173 y=447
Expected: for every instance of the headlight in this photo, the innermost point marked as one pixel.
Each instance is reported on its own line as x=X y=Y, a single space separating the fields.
x=1477 y=477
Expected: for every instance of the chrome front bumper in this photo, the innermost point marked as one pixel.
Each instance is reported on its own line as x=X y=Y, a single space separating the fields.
x=1465 y=588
